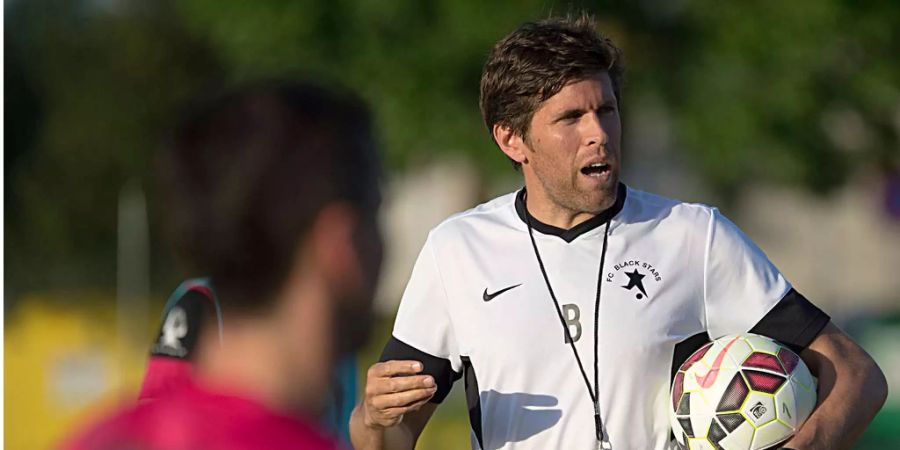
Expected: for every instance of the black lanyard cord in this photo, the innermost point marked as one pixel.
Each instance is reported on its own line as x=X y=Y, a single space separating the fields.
x=592 y=391
x=598 y=421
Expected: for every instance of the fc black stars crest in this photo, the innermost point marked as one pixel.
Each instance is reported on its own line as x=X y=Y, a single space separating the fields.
x=634 y=281
x=635 y=276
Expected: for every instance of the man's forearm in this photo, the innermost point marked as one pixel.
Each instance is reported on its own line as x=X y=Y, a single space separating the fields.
x=850 y=394
x=365 y=437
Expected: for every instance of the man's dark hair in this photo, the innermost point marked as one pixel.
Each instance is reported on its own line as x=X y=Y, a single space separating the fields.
x=248 y=172
x=536 y=61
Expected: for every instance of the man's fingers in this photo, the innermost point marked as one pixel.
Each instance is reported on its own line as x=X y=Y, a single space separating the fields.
x=393 y=389
x=392 y=368
x=400 y=384
x=417 y=404
x=402 y=399
x=399 y=411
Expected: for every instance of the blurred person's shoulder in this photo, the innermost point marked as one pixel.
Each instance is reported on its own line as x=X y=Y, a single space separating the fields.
x=485 y=220
x=195 y=417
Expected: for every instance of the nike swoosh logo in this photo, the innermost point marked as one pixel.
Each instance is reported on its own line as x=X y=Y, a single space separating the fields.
x=488 y=297
x=707 y=380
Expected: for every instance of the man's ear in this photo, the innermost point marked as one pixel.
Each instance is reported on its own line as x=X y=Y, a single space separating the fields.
x=332 y=245
x=510 y=142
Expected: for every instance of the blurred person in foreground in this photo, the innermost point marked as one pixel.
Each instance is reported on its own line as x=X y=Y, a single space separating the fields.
x=273 y=193
x=193 y=307
x=567 y=306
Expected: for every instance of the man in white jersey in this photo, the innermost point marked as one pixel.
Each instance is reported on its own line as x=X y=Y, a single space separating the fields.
x=566 y=305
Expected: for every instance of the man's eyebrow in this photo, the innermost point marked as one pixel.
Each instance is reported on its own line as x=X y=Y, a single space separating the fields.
x=570 y=113
x=610 y=102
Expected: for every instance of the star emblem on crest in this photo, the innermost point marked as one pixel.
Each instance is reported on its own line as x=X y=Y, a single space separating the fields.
x=635 y=281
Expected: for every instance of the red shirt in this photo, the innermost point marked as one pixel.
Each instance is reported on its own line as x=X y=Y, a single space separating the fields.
x=193 y=417
x=164 y=376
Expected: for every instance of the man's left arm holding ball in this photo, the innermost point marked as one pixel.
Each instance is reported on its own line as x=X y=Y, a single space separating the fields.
x=741 y=285
x=851 y=391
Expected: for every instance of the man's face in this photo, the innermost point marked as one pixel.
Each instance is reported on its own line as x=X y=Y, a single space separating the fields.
x=573 y=146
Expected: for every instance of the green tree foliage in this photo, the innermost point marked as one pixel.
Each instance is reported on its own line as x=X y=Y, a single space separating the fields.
x=417 y=62
x=106 y=83
x=801 y=92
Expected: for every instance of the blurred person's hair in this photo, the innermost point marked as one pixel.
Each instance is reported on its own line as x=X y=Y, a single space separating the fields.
x=536 y=61
x=246 y=174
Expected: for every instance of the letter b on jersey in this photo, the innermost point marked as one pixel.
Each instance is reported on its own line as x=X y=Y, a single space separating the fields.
x=572 y=316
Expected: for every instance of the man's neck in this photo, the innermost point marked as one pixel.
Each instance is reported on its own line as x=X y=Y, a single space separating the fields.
x=544 y=209
x=247 y=367
x=250 y=363
x=553 y=215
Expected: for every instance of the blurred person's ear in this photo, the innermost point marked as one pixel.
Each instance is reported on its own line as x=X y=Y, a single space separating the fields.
x=331 y=241
x=510 y=142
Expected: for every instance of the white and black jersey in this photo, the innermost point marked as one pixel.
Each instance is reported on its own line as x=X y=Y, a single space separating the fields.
x=478 y=306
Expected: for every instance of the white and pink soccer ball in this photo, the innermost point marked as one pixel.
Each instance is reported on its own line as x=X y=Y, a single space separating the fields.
x=744 y=392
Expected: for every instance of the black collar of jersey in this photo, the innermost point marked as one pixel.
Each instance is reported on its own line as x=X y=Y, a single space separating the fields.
x=583 y=227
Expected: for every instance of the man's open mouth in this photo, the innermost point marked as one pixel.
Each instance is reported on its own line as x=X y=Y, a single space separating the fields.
x=595 y=170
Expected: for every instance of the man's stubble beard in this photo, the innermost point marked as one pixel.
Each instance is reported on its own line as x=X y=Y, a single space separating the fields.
x=589 y=202
x=352 y=326
x=575 y=200
x=571 y=198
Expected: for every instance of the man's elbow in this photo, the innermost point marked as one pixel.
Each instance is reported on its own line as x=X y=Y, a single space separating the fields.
x=872 y=383
x=879 y=389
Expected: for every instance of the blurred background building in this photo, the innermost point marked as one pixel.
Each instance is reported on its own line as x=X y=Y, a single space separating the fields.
x=786 y=115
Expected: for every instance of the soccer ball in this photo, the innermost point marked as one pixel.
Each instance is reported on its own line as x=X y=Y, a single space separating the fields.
x=742 y=391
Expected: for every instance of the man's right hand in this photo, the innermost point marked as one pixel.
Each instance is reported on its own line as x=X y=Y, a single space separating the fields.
x=393 y=389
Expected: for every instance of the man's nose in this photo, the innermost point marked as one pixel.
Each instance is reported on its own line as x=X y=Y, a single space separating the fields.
x=593 y=131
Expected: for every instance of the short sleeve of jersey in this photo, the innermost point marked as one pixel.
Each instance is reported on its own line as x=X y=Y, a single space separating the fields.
x=741 y=285
x=423 y=330
x=745 y=292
